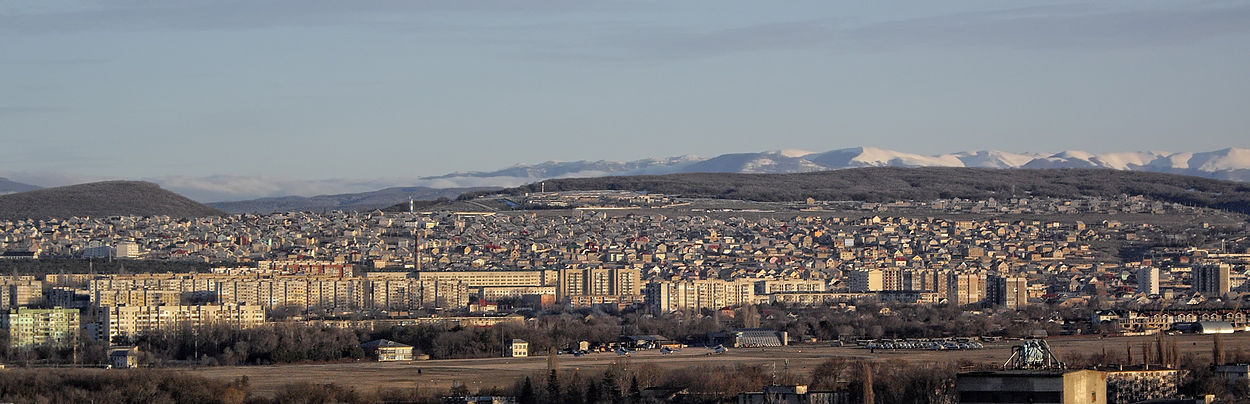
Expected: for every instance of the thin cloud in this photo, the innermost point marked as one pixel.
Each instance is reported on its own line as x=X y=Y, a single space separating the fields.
x=139 y=16
x=1061 y=26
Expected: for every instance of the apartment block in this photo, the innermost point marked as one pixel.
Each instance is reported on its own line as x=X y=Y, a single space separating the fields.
x=127 y=321
x=18 y=291
x=966 y=288
x=867 y=280
x=1009 y=291
x=36 y=327
x=598 y=282
x=1212 y=279
x=768 y=287
x=695 y=295
x=1148 y=280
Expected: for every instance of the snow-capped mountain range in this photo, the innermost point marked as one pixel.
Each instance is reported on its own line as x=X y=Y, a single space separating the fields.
x=1228 y=164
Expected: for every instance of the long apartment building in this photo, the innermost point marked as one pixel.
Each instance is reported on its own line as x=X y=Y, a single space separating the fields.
x=481 y=278
x=497 y=284
x=127 y=321
x=396 y=290
x=575 y=283
x=379 y=290
x=957 y=287
x=36 y=327
x=695 y=295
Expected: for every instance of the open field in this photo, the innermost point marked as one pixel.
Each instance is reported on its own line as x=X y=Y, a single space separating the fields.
x=503 y=372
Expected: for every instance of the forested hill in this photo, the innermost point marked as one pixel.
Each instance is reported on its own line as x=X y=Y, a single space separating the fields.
x=884 y=184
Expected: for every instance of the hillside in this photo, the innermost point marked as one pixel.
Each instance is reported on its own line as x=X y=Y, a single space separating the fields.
x=101 y=199
x=356 y=201
x=8 y=186
x=883 y=184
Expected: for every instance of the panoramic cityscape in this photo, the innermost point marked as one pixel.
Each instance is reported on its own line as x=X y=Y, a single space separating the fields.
x=625 y=202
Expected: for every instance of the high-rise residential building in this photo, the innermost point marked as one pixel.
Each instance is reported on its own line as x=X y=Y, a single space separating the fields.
x=966 y=288
x=770 y=286
x=1212 y=279
x=20 y=290
x=1148 y=280
x=1009 y=291
x=598 y=282
x=35 y=327
x=494 y=277
x=695 y=295
x=126 y=249
x=866 y=280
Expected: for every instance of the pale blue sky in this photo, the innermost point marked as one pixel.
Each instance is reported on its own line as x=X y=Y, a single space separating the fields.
x=308 y=89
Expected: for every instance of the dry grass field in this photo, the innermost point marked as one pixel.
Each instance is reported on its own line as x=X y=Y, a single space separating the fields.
x=504 y=372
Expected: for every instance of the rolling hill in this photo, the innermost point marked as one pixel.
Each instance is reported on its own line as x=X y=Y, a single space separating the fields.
x=884 y=184
x=106 y=198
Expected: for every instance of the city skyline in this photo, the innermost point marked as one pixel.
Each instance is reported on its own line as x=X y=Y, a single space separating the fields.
x=320 y=90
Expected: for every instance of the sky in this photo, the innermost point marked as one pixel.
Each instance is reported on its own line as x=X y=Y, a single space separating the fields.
x=305 y=90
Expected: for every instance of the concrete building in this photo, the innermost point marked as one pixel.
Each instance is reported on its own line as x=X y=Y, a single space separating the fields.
x=696 y=295
x=1148 y=281
x=126 y=249
x=770 y=286
x=867 y=280
x=392 y=293
x=1009 y=291
x=598 y=282
x=383 y=350
x=494 y=277
x=124 y=357
x=518 y=348
x=35 y=327
x=127 y=321
x=1212 y=279
x=503 y=292
x=18 y=291
x=1032 y=386
x=136 y=297
x=1126 y=386
x=966 y=288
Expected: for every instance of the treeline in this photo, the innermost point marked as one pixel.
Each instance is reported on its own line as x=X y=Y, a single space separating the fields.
x=898 y=382
x=923 y=321
x=294 y=342
x=895 y=382
x=156 y=386
x=887 y=184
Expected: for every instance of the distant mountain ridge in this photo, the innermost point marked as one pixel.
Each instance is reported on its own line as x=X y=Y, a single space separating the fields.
x=1226 y=164
x=8 y=186
x=108 y=198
